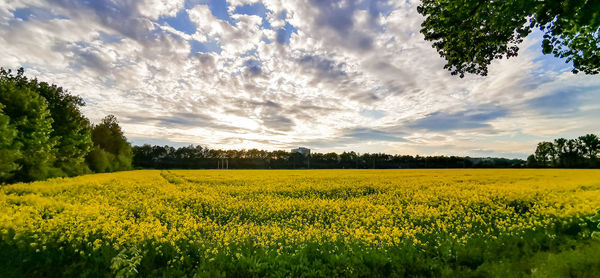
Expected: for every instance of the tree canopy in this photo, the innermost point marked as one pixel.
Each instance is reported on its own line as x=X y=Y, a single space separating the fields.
x=70 y=128
x=111 y=150
x=581 y=152
x=43 y=133
x=470 y=34
x=29 y=115
x=9 y=147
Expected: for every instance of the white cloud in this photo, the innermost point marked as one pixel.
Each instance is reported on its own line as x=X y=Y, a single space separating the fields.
x=207 y=25
x=342 y=60
x=156 y=8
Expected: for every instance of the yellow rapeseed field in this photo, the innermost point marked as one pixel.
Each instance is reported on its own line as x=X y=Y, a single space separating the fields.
x=201 y=214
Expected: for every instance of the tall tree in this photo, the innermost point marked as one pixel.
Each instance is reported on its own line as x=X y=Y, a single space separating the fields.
x=545 y=154
x=30 y=117
x=590 y=145
x=69 y=128
x=572 y=155
x=560 y=146
x=470 y=34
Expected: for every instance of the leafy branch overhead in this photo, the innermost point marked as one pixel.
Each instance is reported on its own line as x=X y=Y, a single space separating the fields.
x=470 y=34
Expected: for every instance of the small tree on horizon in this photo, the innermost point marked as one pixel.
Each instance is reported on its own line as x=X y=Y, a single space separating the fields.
x=111 y=151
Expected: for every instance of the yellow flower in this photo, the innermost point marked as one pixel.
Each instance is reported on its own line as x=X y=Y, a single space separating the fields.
x=217 y=210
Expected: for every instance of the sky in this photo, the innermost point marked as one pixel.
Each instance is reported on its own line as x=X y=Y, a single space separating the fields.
x=330 y=75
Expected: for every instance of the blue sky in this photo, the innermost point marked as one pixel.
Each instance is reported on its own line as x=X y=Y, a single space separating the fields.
x=276 y=74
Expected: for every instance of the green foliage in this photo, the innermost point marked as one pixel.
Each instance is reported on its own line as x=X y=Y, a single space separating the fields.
x=581 y=261
x=595 y=225
x=545 y=154
x=30 y=117
x=99 y=160
x=471 y=34
x=542 y=253
x=126 y=262
x=9 y=147
x=568 y=153
x=44 y=134
x=111 y=150
x=590 y=145
x=69 y=128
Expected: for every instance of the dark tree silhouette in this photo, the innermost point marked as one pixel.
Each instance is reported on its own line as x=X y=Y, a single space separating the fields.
x=197 y=157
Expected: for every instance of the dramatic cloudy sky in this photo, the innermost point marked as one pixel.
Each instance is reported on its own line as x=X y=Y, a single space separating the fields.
x=325 y=74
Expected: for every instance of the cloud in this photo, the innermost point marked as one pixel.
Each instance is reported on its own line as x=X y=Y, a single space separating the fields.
x=470 y=119
x=367 y=134
x=277 y=122
x=323 y=67
x=562 y=102
x=121 y=16
x=182 y=120
x=375 y=114
x=331 y=75
x=155 y=9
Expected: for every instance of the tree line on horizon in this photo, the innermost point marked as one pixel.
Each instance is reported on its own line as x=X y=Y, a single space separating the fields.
x=581 y=152
x=43 y=133
x=198 y=157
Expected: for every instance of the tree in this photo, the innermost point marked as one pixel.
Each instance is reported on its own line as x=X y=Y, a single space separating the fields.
x=470 y=34
x=297 y=160
x=9 y=148
x=69 y=128
x=567 y=153
x=142 y=156
x=545 y=154
x=111 y=150
x=572 y=156
x=99 y=160
x=349 y=160
x=30 y=117
x=531 y=161
x=590 y=144
x=331 y=157
x=560 y=145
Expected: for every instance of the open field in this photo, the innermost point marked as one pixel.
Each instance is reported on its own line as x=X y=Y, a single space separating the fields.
x=304 y=222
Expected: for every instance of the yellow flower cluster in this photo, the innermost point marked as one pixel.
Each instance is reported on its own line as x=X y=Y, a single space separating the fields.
x=277 y=209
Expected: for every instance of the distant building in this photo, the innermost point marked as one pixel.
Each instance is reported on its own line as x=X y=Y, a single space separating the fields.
x=303 y=151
